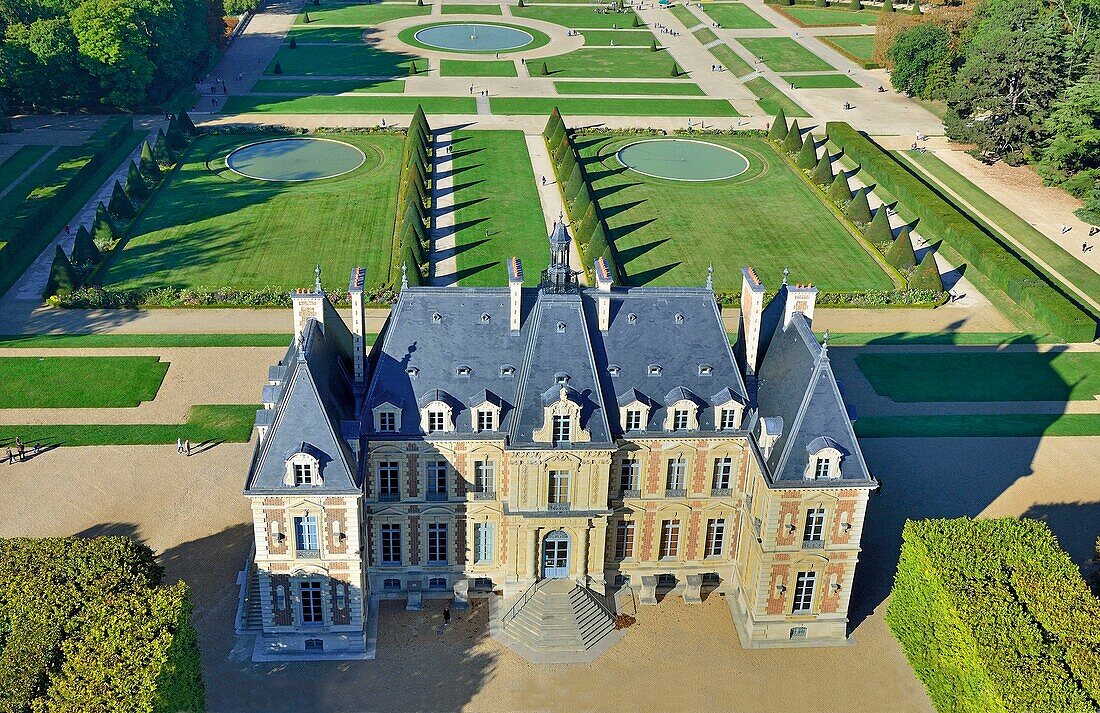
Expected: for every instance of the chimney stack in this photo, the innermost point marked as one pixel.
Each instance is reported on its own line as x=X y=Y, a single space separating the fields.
x=358 y=340
x=752 y=306
x=800 y=298
x=515 y=292
x=308 y=304
x=603 y=301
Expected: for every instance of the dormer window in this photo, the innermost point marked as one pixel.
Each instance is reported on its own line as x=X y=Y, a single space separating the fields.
x=303 y=469
x=435 y=421
x=437 y=318
x=727 y=419
x=563 y=429
x=486 y=420
x=561 y=327
x=679 y=318
x=705 y=370
x=412 y=371
x=436 y=415
x=825 y=457
x=561 y=378
x=614 y=370
x=680 y=419
x=485 y=318
x=631 y=318
x=634 y=419
x=507 y=371
x=822 y=467
x=304 y=474
x=654 y=370
x=464 y=371
x=387 y=422
x=681 y=414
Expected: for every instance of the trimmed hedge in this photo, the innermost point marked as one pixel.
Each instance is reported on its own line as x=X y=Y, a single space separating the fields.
x=988 y=253
x=410 y=231
x=86 y=626
x=994 y=616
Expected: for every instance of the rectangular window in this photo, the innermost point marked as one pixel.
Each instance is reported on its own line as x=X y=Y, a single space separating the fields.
x=563 y=429
x=387 y=479
x=729 y=420
x=716 y=538
x=677 y=474
x=485 y=476
x=634 y=419
x=670 y=539
x=486 y=421
x=305 y=532
x=804 y=592
x=821 y=468
x=437 y=477
x=558 y=491
x=312 y=611
x=303 y=474
x=723 y=473
x=435 y=421
x=437 y=543
x=628 y=474
x=483 y=542
x=815 y=525
x=624 y=539
x=387 y=422
x=679 y=420
x=391 y=544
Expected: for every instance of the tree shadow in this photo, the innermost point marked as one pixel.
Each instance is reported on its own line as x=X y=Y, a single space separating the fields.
x=636 y=251
x=647 y=276
x=614 y=210
x=466 y=247
x=623 y=230
x=466 y=272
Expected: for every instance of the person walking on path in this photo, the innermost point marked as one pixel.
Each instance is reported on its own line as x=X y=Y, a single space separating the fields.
x=446 y=616
x=187 y=448
x=179 y=445
x=22 y=451
x=11 y=457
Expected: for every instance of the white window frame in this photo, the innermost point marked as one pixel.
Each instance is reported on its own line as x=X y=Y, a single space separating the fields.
x=387 y=422
x=389 y=543
x=436 y=421
x=634 y=419
x=803 y=600
x=630 y=470
x=727 y=419
x=484 y=542
x=316 y=606
x=676 y=474
x=670 y=540
x=303 y=474
x=681 y=418
x=437 y=539
x=723 y=473
x=486 y=420
x=624 y=539
x=435 y=471
x=716 y=538
x=306 y=527
x=558 y=482
x=561 y=428
x=387 y=469
x=485 y=476
x=815 y=525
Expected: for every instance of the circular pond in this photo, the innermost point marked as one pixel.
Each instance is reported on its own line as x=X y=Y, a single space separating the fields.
x=682 y=160
x=295 y=159
x=473 y=37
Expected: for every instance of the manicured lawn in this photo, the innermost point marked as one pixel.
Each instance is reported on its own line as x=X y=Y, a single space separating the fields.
x=860 y=47
x=669 y=232
x=783 y=54
x=310 y=33
x=18 y=163
x=119 y=341
x=621 y=38
x=1051 y=253
x=822 y=81
x=577 y=106
x=771 y=99
x=330 y=86
x=705 y=35
x=828 y=16
x=983 y=376
x=365 y=104
x=735 y=16
x=578 y=17
x=498 y=214
x=206 y=423
x=472 y=10
x=79 y=382
x=859 y=339
x=613 y=88
x=731 y=60
x=210 y=227
x=360 y=14
x=979 y=426
x=477 y=68
x=684 y=15
x=609 y=64
x=341 y=61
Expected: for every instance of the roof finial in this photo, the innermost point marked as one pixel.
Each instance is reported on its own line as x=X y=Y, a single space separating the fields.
x=710 y=277
x=785 y=272
x=317 y=278
x=825 y=345
x=404 y=275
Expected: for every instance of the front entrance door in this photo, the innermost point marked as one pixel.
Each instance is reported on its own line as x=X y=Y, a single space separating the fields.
x=555 y=555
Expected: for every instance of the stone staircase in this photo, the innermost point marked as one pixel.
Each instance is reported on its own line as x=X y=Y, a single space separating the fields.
x=558 y=621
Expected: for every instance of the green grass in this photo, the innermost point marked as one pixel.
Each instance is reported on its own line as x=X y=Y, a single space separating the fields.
x=705 y=35
x=861 y=339
x=1072 y=269
x=822 y=81
x=309 y=33
x=639 y=88
x=979 y=426
x=983 y=376
x=858 y=48
x=212 y=228
x=609 y=64
x=622 y=38
x=79 y=381
x=830 y=17
x=363 y=104
x=783 y=54
x=329 y=86
x=771 y=99
x=342 y=60
x=495 y=192
x=684 y=15
x=669 y=232
x=477 y=68
x=206 y=423
x=731 y=60
x=735 y=16
x=18 y=163
x=120 y=341
x=360 y=14
x=597 y=106
x=472 y=10
x=577 y=18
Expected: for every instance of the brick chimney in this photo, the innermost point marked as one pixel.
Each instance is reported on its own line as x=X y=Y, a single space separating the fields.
x=603 y=284
x=800 y=298
x=515 y=292
x=358 y=338
x=308 y=304
x=752 y=307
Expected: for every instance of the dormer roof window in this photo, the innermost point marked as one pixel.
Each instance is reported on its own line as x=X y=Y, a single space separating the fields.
x=561 y=327
x=507 y=371
x=437 y=318
x=825 y=456
x=464 y=371
x=705 y=370
x=303 y=466
x=679 y=318
x=614 y=370
x=631 y=318
x=654 y=370
x=412 y=371
x=485 y=317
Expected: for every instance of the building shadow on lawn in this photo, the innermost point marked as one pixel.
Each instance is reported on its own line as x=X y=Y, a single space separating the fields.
x=647 y=276
x=459 y=205
x=614 y=210
x=632 y=253
x=624 y=230
x=466 y=272
x=460 y=187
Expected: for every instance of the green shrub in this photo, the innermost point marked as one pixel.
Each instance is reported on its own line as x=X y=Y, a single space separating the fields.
x=278 y=68
x=858 y=210
x=792 y=144
x=856 y=5
x=544 y=70
x=778 y=131
x=807 y=155
x=986 y=252
x=120 y=206
x=900 y=253
x=839 y=192
x=186 y=124
x=135 y=184
x=62 y=279
x=653 y=47
x=637 y=22
x=175 y=136
x=162 y=152
x=85 y=251
x=888 y=6
x=104 y=231
x=597 y=245
x=675 y=70
x=878 y=231
x=915 y=8
x=575 y=184
x=822 y=3
x=927 y=275
x=823 y=171
x=148 y=164
x=293 y=43
x=994 y=616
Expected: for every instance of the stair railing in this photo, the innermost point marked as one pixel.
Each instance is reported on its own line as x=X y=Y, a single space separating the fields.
x=523 y=599
x=592 y=596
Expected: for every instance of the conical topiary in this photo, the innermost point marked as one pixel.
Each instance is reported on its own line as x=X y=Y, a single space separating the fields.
x=62 y=279
x=807 y=155
x=305 y=16
x=162 y=151
x=879 y=230
x=149 y=167
x=278 y=68
x=823 y=171
x=793 y=143
x=915 y=8
x=839 y=190
x=293 y=43
x=675 y=70
x=104 y=231
x=856 y=5
x=120 y=206
x=778 y=132
x=175 y=136
x=927 y=275
x=544 y=70
x=858 y=210
x=135 y=184
x=637 y=21
x=900 y=254
x=653 y=45
x=84 y=249
x=888 y=6
x=186 y=124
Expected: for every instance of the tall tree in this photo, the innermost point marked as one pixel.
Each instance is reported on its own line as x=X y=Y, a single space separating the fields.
x=922 y=61
x=1074 y=126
